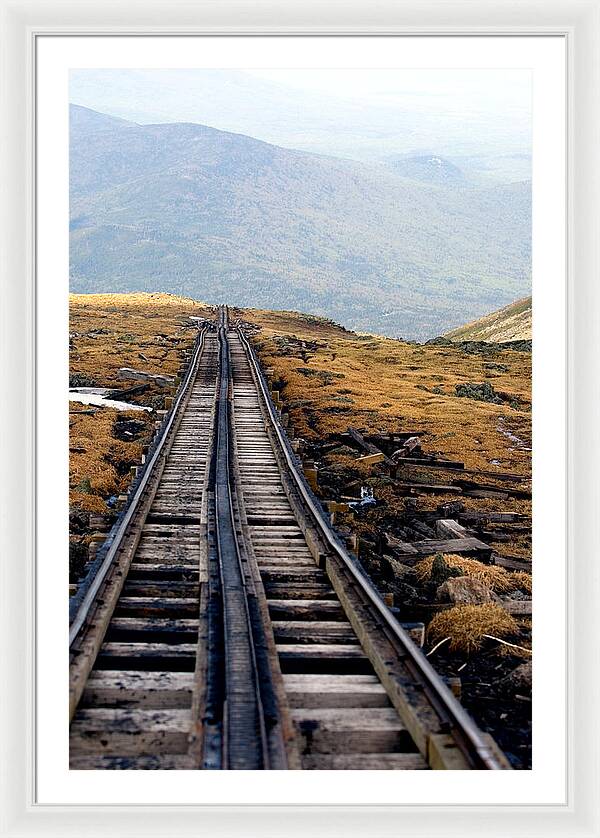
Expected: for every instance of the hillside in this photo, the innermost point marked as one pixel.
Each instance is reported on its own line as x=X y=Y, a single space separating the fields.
x=429 y=168
x=318 y=119
x=224 y=217
x=513 y=322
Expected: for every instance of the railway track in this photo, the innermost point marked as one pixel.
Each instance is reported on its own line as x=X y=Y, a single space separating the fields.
x=226 y=627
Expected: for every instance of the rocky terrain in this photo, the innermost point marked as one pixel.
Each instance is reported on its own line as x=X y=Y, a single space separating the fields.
x=406 y=445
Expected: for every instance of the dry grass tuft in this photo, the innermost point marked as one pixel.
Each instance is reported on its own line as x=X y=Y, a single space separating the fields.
x=466 y=626
x=496 y=578
x=522 y=581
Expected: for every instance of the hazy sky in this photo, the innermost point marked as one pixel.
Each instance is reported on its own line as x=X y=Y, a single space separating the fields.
x=503 y=93
x=367 y=114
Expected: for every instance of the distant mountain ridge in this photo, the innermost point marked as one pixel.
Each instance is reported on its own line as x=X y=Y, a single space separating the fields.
x=223 y=217
x=429 y=168
x=513 y=322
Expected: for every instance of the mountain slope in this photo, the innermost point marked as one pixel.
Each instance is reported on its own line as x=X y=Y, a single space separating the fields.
x=427 y=167
x=513 y=322
x=321 y=118
x=224 y=217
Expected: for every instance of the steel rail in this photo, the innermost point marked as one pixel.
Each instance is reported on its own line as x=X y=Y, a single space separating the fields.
x=96 y=582
x=245 y=740
x=463 y=727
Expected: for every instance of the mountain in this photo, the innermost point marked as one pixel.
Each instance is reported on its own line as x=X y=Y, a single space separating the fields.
x=513 y=322
x=367 y=115
x=219 y=216
x=427 y=167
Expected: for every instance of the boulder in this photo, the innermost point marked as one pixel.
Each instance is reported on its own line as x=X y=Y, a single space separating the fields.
x=463 y=590
x=396 y=570
x=518 y=681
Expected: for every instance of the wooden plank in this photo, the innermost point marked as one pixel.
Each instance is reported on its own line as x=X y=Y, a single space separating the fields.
x=305 y=609
x=371 y=459
x=282 y=591
x=334 y=691
x=485 y=494
x=428 y=488
x=454 y=465
x=164 y=762
x=311 y=631
x=426 y=462
x=165 y=589
x=129 y=732
x=145 y=570
x=292 y=574
x=343 y=730
x=321 y=650
x=156 y=656
x=327 y=681
x=332 y=659
x=518 y=607
x=155 y=606
x=448 y=528
x=470 y=486
x=453 y=545
x=470 y=515
x=144 y=690
x=156 y=629
x=369 y=447
x=512 y=563
x=364 y=762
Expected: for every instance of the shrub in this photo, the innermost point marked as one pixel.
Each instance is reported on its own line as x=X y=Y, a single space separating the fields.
x=480 y=392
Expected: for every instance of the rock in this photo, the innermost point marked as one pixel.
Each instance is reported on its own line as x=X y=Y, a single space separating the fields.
x=405 y=593
x=464 y=590
x=140 y=375
x=519 y=680
x=397 y=570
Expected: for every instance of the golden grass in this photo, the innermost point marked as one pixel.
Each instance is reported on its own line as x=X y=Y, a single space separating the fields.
x=101 y=468
x=522 y=581
x=466 y=626
x=396 y=385
x=496 y=578
x=108 y=331
x=143 y=331
x=377 y=383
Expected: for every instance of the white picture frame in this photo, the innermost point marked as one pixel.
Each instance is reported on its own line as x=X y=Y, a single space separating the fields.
x=22 y=22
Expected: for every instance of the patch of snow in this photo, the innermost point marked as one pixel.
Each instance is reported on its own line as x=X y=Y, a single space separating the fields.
x=97 y=396
x=519 y=444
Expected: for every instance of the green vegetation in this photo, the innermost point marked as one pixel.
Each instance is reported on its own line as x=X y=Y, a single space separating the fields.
x=226 y=218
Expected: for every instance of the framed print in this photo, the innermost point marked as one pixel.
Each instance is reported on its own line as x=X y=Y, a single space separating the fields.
x=300 y=330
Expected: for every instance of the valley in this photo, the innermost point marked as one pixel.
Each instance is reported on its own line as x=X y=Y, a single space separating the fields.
x=406 y=248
